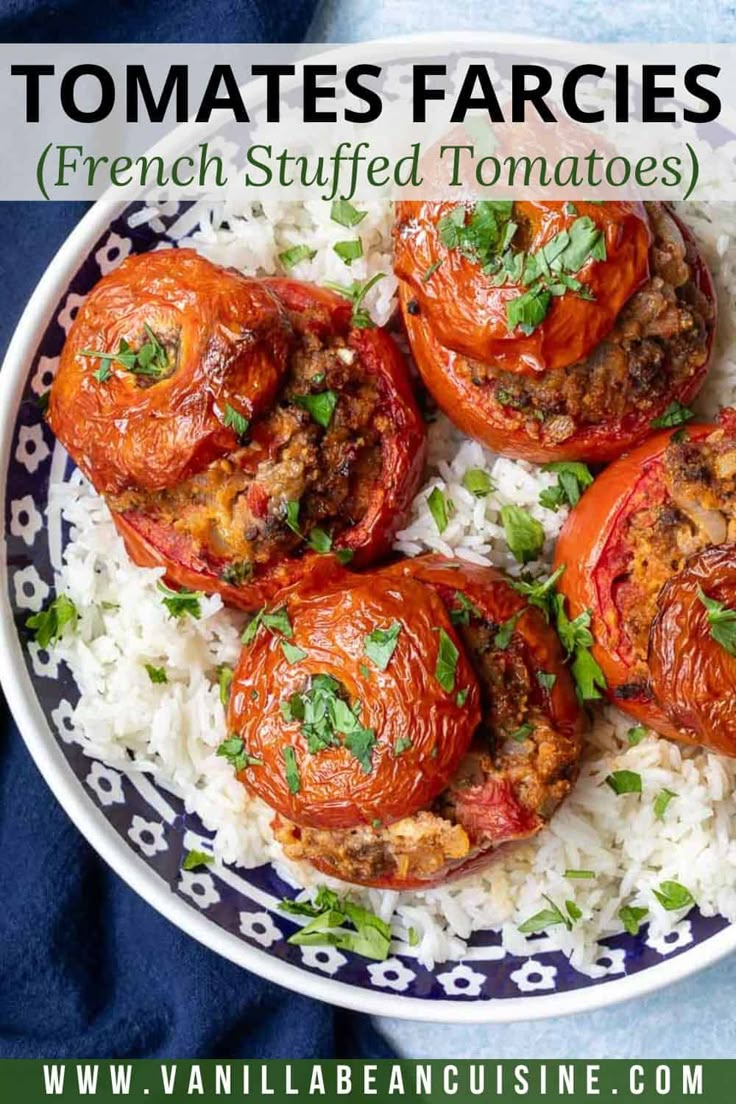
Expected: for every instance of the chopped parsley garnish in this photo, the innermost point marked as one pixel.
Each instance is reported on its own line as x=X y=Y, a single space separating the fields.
x=234 y=420
x=447 y=657
x=401 y=744
x=574 y=874
x=319 y=541
x=42 y=400
x=324 y=715
x=463 y=609
x=380 y=644
x=157 y=675
x=356 y=293
x=589 y=678
x=293 y=780
x=540 y=592
x=485 y=234
x=546 y=679
x=349 y=251
x=636 y=734
x=722 y=621
x=294 y=256
x=370 y=937
x=673 y=896
x=345 y=214
x=438 y=508
x=573 y=911
x=413 y=935
x=344 y=555
x=631 y=917
x=572 y=480
x=224 y=681
x=235 y=574
x=549 y=918
x=276 y=621
x=193 y=859
x=48 y=625
x=574 y=634
x=179 y=603
x=151 y=359
x=661 y=802
x=233 y=749
x=431 y=270
x=502 y=639
x=675 y=415
x=520 y=734
x=524 y=534
x=462 y=696
x=478 y=482
x=364 y=670
x=321 y=406
x=624 y=782
x=292 y=653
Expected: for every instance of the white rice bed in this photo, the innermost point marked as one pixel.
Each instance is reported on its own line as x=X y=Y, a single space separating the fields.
x=173 y=730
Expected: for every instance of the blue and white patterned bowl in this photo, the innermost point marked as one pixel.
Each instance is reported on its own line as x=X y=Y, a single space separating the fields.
x=142 y=831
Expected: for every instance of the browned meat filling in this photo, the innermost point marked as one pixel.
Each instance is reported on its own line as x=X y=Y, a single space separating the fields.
x=238 y=507
x=660 y=339
x=696 y=508
x=516 y=773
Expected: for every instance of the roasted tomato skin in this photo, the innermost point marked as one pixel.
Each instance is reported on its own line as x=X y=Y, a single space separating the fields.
x=228 y=337
x=692 y=675
x=468 y=314
x=497 y=801
x=475 y=409
x=330 y=621
x=592 y=550
x=403 y=444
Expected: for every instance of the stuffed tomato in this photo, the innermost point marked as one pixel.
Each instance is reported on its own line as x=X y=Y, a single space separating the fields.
x=475 y=722
x=550 y=330
x=627 y=547
x=306 y=436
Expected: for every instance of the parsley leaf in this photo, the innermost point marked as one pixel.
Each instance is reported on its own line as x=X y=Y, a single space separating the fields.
x=636 y=734
x=48 y=625
x=447 y=657
x=234 y=420
x=349 y=251
x=329 y=914
x=193 y=859
x=294 y=256
x=292 y=653
x=624 y=782
x=319 y=540
x=574 y=874
x=546 y=918
x=345 y=214
x=356 y=292
x=524 y=534
x=503 y=637
x=401 y=744
x=235 y=574
x=293 y=781
x=233 y=749
x=572 y=479
x=661 y=802
x=676 y=414
x=179 y=603
x=540 y=592
x=321 y=405
x=463 y=609
x=478 y=482
x=224 y=681
x=438 y=508
x=722 y=621
x=157 y=675
x=673 y=896
x=380 y=644
x=360 y=742
x=546 y=679
x=520 y=734
x=631 y=917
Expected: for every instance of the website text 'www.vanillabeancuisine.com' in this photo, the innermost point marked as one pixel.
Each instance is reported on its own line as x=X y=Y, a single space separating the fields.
x=436 y=1080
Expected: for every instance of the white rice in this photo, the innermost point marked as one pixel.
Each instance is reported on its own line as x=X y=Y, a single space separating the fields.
x=173 y=730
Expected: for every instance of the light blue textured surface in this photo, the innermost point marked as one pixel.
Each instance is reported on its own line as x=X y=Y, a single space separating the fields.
x=696 y=1018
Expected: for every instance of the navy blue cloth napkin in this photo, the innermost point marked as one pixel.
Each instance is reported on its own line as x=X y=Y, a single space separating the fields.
x=87 y=968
